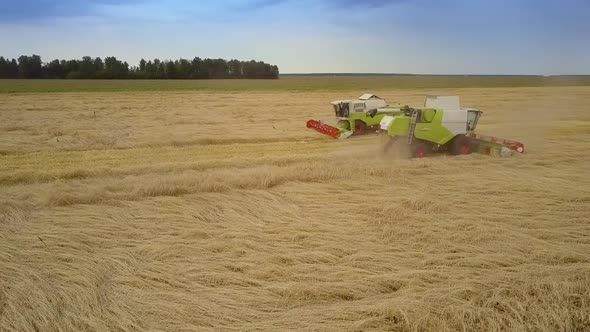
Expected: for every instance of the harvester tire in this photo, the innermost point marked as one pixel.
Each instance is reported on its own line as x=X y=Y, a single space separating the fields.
x=359 y=127
x=419 y=150
x=461 y=144
x=343 y=124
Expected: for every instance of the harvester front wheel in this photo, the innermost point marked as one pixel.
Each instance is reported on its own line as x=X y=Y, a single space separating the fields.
x=359 y=127
x=419 y=151
x=343 y=124
x=461 y=144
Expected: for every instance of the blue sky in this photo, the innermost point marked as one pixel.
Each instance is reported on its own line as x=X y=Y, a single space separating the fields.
x=401 y=36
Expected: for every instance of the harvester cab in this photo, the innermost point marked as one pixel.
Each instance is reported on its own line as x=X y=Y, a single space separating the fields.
x=355 y=114
x=364 y=103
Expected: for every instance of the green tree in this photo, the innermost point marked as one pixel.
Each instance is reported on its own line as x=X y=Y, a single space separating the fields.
x=115 y=69
x=142 y=65
x=275 y=72
x=160 y=69
x=250 y=69
x=112 y=68
x=197 y=68
x=183 y=69
x=98 y=64
x=54 y=69
x=4 y=65
x=70 y=66
x=235 y=69
x=150 y=70
x=29 y=66
x=13 y=69
x=170 y=70
x=220 y=69
x=87 y=68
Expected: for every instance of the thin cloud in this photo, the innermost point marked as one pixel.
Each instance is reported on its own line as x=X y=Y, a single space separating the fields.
x=366 y=3
x=26 y=10
x=343 y=4
x=258 y=4
x=34 y=10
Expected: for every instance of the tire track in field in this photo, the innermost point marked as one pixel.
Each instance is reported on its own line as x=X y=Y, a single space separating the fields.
x=51 y=166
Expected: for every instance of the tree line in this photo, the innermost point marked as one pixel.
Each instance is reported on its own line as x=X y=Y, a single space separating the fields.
x=112 y=68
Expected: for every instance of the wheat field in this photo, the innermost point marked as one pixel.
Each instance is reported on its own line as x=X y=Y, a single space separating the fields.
x=220 y=211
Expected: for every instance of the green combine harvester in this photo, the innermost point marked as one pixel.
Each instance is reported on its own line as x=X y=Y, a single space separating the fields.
x=440 y=126
x=356 y=116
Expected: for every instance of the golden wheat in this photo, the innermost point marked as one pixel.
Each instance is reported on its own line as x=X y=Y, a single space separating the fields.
x=219 y=211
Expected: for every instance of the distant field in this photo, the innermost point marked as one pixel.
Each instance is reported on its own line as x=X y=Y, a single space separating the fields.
x=291 y=83
x=199 y=211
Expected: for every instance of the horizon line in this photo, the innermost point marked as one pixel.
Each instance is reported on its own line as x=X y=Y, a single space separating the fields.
x=412 y=74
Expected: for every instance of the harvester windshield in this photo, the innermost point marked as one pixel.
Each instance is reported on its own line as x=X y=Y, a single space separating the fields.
x=342 y=109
